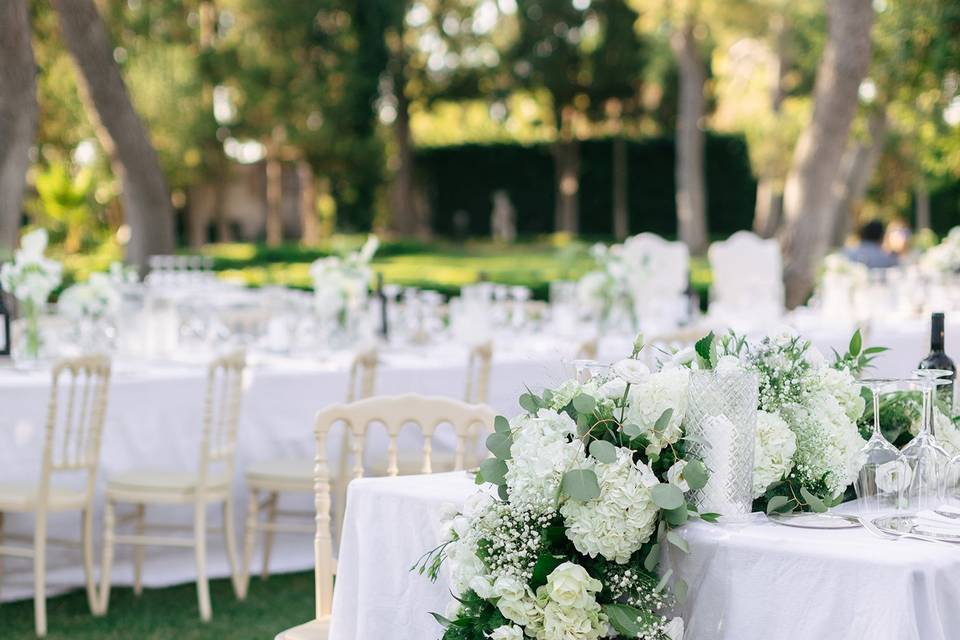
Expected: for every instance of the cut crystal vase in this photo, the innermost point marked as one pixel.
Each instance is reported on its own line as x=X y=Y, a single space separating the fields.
x=720 y=425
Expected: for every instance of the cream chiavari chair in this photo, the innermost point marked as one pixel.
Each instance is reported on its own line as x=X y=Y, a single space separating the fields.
x=210 y=484
x=394 y=412
x=75 y=415
x=277 y=476
x=478 y=373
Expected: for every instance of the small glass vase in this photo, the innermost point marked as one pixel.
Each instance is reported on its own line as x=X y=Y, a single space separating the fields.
x=720 y=424
x=28 y=335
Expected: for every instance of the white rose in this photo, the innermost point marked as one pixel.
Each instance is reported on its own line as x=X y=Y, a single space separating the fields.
x=515 y=600
x=894 y=476
x=684 y=356
x=507 y=632
x=482 y=587
x=569 y=585
x=674 y=629
x=613 y=389
x=632 y=371
x=675 y=476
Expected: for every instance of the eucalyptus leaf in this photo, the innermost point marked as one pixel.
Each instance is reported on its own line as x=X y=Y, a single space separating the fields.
x=680 y=590
x=776 y=503
x=580 y=484
x=528 y=402
x=502 y=492
x=631 y=430
x=493 y=470
x=653 y=558
x=695 y=474
x=667 y=496
x=624 y=619
x=677 y=540
x=677 y=516
x=499 y=444
x=663 y=421
x=603 y=451
x=501 y=425
x=584 y=403
x=816 y=504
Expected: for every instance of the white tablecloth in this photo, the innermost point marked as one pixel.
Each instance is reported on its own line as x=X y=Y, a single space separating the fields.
x=752 y=581
x=153 y=421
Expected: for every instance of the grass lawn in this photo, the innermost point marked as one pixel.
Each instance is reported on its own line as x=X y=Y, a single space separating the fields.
x=281 y=602
x=442 y=265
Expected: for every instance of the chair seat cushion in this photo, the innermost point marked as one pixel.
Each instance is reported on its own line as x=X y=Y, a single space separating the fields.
x=23 y=497
x=286 y=471
x=163 y=482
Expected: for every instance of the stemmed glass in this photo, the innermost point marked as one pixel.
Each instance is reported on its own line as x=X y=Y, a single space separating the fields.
x=927 y=459
x=884 y=473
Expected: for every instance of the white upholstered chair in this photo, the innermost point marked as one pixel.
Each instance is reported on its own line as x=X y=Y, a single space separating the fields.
x=394 y=412
x=267 y=479
x=747 y=289
x=75 y=415
x=210 y=484
x=658 y=276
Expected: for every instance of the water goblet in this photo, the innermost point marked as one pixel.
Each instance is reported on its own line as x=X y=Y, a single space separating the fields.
x=884 y=474
x=927 y=459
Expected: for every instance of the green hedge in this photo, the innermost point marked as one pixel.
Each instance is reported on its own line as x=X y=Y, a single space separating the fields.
x=465 y=177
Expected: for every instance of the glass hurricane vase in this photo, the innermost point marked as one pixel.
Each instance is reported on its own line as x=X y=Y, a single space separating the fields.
x=720 y=425
x=28 y=341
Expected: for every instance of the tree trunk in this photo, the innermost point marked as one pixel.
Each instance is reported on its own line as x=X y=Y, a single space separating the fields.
x=310 y=225
x=566 y=171
x=621 y=214
x=274 y=171
x=922 y=196
x=856 y=169
x=768 y=212
x=404 y=218
x=690 y=178
x=18 y=115
x=808 y=196
x=145 y=197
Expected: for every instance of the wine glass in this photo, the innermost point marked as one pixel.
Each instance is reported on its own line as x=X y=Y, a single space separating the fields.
x=927 y=459
x=884 y=474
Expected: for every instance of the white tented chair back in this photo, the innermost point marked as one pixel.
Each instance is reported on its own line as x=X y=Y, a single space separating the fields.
x=363 y=374
x=478 y=372
x=747 y=289
x=658 y=271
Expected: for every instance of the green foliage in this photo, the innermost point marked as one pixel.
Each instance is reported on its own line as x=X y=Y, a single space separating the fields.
x=580 y=485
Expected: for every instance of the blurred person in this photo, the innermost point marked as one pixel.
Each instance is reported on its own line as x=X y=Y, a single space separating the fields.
x=869 y=250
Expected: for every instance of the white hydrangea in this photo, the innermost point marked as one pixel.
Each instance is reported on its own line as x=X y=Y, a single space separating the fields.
x=621 y=519
x=507 y=632
x=666 y=389
x=774 y=447
x=96 y=298
x=569 y=606
x=828 y=443
x=842 y=386
x=542 y=452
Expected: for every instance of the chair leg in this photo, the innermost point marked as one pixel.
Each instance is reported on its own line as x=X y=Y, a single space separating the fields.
x=109 y=522
x=249 y=538
x=92 y=599
x=40 y=574
x=200 y=550
x=138 y=551
x=230 y=535
x=268 y=534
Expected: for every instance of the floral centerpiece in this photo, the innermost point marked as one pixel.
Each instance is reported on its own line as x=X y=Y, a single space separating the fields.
x=90 y=304
x=340 y=285
x=606 y=291
x=944 y=257
x=586 y=487
x=31 y=278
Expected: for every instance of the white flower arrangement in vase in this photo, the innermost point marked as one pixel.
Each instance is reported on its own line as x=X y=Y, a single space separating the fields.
x=340 y=285
x=31 y=278
x=944 y=257
x=606 y=291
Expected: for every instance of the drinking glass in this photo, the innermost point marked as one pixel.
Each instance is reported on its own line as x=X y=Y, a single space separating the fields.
x=927 y=459
x=884 y=474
